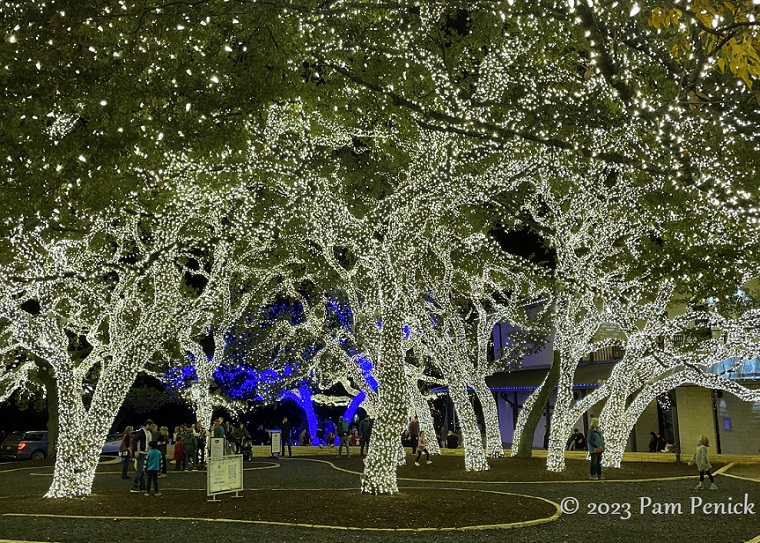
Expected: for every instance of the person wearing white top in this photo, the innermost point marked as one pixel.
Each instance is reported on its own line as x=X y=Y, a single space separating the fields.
x=703 y=464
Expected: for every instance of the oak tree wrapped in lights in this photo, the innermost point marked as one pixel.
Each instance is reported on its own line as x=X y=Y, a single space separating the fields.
x=591 y=225
x=125 y=318
x=485 y=290
x=671 y=354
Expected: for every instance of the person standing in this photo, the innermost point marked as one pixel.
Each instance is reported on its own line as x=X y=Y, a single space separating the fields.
x=179 y=454
x=452 y=440
x=414 y=433
x=140 y=451
x=653 y=442
x=595 y=441
x=218 y=429
x=153 y=466
x=241 y=435
x=343 y=435
x=285 y=427
x=703 y=464
x=365 y=431
x=320 y=434
x=189 y=446
x=162 y=438
x=126 y=451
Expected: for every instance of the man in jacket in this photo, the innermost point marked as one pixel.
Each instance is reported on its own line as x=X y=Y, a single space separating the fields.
x=140 y=450
x=218 y=428
x=365 y=431
x=343 y=435
x=189 y=447
x=330 y=433
x=286 y=428
x=217 y=431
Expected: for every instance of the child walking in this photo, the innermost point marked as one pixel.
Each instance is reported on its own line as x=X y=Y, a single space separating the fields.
x=422 y=448
x=153 y=466
x=703 y=464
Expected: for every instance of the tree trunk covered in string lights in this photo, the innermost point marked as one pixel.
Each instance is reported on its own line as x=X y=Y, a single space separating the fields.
x=83 y=432
x=472 y=440
x=612 y=421
x=494 y=446
x=379 y=476
x=527 y=421
x=561 y=424
x=198 y=394
x=422 y=408
x=83 y=429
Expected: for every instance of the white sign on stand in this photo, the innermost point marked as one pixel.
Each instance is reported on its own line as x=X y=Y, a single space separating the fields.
x=276 y=442
x=224 y=474
x=216 y=447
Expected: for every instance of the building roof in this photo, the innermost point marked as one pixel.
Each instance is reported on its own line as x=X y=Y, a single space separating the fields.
x=587 y=375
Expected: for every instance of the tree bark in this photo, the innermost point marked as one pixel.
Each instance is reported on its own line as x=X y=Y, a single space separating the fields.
x=474 y=456
x=531 y=412
x=379 y=476
x=494 y=446
x=421 y=407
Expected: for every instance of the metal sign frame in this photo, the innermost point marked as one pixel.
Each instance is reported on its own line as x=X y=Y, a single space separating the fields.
x=276 y=445
x=224 y=475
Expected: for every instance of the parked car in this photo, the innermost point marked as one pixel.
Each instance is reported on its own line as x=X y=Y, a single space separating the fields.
x=112 y=444
x=25 y=445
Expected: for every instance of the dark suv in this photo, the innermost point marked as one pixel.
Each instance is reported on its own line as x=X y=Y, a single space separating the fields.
x=25 y=445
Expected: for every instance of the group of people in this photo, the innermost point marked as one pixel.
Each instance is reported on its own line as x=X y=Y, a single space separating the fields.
x=418 y=441
x=346 y=435
x=147 y=449
x=329 y=434
x=595 y=441
x=447 y=438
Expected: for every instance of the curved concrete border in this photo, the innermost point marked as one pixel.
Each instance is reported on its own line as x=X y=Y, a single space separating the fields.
x=472 y=482
x=273 y=465
x=500 y=526
x=724 y=471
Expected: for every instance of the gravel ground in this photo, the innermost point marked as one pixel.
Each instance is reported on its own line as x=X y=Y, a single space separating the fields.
x=301 y=474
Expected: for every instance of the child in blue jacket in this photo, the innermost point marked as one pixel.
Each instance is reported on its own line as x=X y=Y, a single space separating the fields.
x=153 y=466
